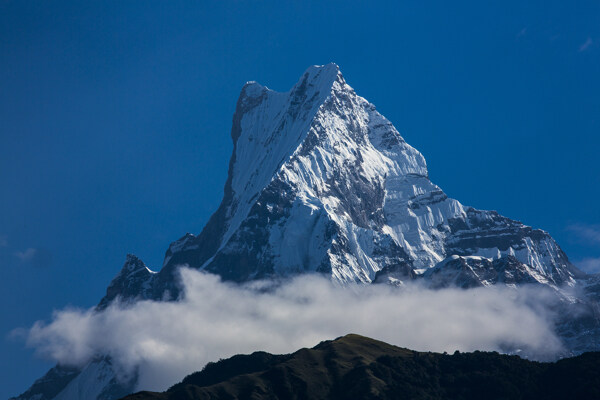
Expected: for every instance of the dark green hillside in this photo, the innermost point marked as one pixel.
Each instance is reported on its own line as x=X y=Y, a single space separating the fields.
x=356 y=367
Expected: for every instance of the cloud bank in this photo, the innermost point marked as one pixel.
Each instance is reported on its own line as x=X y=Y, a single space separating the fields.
x=167 y=340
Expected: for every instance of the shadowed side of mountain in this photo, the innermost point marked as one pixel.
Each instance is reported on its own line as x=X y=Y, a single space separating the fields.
x=356 y=367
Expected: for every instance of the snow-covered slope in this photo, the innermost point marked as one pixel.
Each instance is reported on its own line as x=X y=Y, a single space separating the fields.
x=319 y=181
x=97 y=380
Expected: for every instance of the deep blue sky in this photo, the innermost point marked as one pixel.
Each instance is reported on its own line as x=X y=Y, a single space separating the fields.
x=115 y=120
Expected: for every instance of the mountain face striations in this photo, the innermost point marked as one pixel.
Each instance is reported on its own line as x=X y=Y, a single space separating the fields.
x=319 y=181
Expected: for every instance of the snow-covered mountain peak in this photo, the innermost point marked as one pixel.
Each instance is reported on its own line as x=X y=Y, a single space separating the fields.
x=320 y=181
x=133 y=281
x=321 y=77
x=268 y=127
x=316 y=78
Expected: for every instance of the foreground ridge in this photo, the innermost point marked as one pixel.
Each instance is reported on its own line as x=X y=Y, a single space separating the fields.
x=357 y=367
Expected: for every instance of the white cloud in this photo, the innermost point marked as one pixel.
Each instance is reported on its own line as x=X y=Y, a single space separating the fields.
x=587 y=233
x=585 y=45
x=168 y=340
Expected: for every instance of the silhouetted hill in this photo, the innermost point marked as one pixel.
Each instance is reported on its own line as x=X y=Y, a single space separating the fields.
x=356 y=367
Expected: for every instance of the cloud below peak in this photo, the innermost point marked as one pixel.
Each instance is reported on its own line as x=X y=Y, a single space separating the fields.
x=164 y=341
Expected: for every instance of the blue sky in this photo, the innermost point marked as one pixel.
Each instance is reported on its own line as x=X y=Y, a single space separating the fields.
x=115 y=121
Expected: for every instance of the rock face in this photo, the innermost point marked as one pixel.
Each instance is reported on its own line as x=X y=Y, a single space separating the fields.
x=133 y=281
x=319 y=181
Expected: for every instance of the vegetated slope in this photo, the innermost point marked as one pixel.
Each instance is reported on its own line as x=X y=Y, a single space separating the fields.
x=357 y=367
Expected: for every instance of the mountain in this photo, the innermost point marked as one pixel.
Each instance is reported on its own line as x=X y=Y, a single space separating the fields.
x=356 y=367
x=319 y=181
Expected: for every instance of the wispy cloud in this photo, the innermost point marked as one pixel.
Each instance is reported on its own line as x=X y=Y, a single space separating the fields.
x=164 y=341
x=522 y=32
x=37 y=257
x=587 y=233
x=3 y=241
x=26 y=255
x=591 y=265
x=586 y=45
